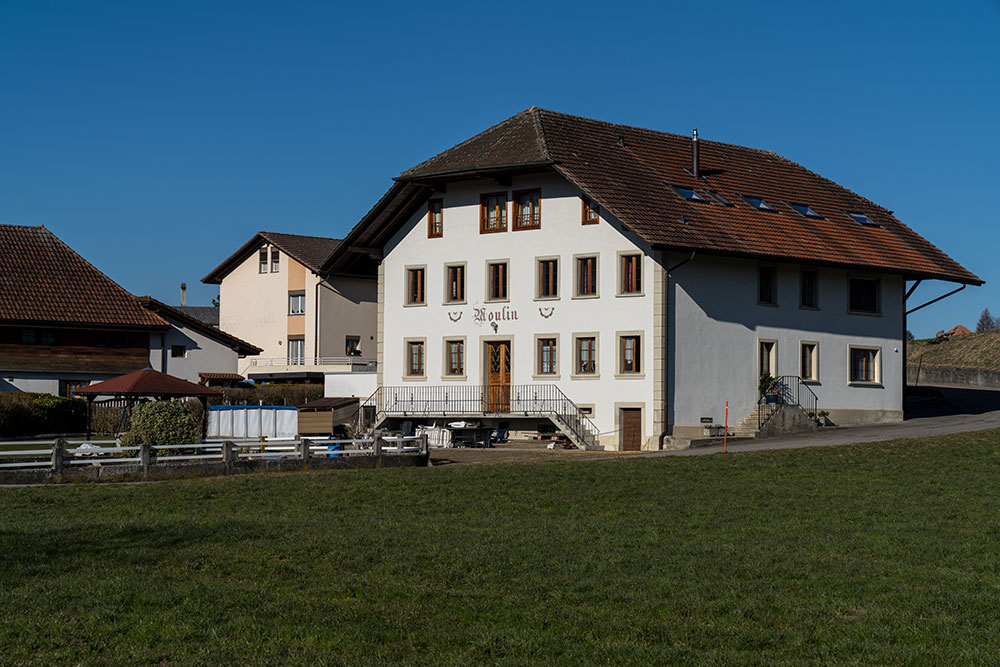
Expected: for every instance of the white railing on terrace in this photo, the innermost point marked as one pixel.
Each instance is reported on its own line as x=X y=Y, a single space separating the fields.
x=354 y=363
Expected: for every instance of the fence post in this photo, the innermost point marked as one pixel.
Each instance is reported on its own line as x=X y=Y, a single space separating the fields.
x=57 y=456
x=424 y=445
x=304 y=451
x=377 y=447
x=227 y=455
x=144 y=458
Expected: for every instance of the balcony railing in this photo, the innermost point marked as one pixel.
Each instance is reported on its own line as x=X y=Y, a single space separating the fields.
x=354 y=364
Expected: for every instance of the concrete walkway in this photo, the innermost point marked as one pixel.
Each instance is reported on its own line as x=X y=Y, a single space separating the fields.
x=945 y=411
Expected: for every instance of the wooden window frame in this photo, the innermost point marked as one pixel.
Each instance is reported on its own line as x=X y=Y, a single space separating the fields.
x=878 y=296
x=802 y=289
x=518 y=224
x=813 y=377
x=502 y=224
x=589 y=204
x=433 y=233
x=540 y=271
x=638 y=370
x=447 y=368
x=876 y=369
x=409 y=344
x=577 y=263
x=635 y=259
x=772 y=358
x=539 y=374
x=774 y=284
x=411 y=271
x=462 y=270
x=489 y=280
x=577 y=372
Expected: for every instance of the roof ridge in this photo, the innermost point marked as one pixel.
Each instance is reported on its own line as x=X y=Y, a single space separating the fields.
x=541 y=130
x=302 y=236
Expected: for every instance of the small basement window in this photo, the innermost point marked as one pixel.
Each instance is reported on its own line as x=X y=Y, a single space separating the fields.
x=862 y=219
x=759 y=204
x=689 y=194
x=806 y=210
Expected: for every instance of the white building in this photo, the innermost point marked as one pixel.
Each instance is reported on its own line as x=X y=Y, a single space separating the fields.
x=273 y=294
x=646 y=277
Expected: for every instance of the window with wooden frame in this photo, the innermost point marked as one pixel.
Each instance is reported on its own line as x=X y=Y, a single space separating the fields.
x=630 y=354
x=863 y=295
x=415 y=358
x=591 y=212
x=455 y=285
x=808 y=289
x=586 y=276
x=864 y=363
x=548 y=279
x=547 y=356
x=527 y=209
x=809 y=362
x=630 y=268
x=493 y=213
x=262 y=261
x=586 y=355
x=454 y=351
x=496 y=287
x=435 y=218
x=767 y=286
x=415 y=286
x=275 y=260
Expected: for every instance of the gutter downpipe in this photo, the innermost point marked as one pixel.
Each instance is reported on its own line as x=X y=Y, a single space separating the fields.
x=666 y=301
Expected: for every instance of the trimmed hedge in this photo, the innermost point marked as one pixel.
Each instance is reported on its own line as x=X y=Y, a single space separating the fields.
x=271 y=394
x=25 y=413
x=162 y=423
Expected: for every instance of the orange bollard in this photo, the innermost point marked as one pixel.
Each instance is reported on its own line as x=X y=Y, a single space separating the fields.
x=725 y=433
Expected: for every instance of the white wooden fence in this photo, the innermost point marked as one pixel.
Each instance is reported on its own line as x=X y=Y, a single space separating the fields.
x=54 y=455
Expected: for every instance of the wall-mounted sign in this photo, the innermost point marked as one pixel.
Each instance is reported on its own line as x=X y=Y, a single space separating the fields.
x=707 y=420
x=483 y=314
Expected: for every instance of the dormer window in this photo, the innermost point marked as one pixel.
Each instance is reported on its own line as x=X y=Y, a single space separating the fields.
x=528 y=209
x=689 y=194
x=591 y=212
x=719 y=198
x=862 y=219
x=262 y=265
x=805 y=210
x=435 y=218
x=759 y=204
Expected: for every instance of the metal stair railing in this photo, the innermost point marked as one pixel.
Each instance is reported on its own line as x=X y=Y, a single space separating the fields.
x=787 y=390
x=546 y=400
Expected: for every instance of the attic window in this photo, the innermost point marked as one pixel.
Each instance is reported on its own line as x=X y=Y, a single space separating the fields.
x=689 y=194
x=805 y=210
x=719 y=198
x=862 y=219
x=759 y=204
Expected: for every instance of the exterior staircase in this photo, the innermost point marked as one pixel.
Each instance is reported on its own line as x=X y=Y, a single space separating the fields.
x=485 y=401
x=788 y=390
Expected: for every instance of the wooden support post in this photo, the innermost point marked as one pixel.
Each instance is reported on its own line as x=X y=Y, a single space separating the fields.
x=304 y=444
x=57 y=456
x=227 y=455
x=90 y=417
x=144 y=454
x=424 y=445
x=204 y=417
x=377 y=447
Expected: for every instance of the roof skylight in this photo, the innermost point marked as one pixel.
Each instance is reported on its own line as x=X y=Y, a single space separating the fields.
x=759 y=204
x=719 y=198
x=862 y=219
x=806 y=210
x=689 y=194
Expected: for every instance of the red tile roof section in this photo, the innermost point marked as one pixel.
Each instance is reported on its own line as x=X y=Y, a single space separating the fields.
x=42 y=280
x=310 y=251
x=146 y=383
x=627 y=170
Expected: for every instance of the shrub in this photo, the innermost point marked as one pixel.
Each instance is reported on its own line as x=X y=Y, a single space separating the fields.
x=271 y=394
x=162 y=423
x=24 y=413
x=15 y=413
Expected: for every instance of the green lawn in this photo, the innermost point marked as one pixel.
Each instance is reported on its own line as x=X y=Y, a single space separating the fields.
x=886 y=553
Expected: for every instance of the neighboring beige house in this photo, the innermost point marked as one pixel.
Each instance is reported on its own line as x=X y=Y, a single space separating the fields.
x=273 y=295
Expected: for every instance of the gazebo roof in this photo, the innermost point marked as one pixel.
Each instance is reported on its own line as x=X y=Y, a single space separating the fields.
x=146 y=383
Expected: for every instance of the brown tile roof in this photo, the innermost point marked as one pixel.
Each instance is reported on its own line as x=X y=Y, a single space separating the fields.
x=220 y=376
x=239 y=345
x=42 y=280
x=207 y=314
x=627 y=171
x=310 y=251
x=147 y=383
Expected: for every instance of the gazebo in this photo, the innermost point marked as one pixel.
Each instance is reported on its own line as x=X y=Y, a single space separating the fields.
x=147 y=384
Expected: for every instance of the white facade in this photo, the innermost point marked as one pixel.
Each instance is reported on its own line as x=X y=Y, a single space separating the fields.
x=184 y=352
x=699 y=328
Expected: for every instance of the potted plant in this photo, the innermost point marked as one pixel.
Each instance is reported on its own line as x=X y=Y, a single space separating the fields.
x=767 y=386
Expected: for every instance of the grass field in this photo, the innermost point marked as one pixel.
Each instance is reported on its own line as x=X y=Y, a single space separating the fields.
x=886 y=553
x=974 y=350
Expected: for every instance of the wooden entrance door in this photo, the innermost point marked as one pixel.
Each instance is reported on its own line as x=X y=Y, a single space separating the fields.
x=498 y=376
x=631 y=429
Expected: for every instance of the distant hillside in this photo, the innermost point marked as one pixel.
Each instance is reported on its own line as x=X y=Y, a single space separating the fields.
x=974 y=350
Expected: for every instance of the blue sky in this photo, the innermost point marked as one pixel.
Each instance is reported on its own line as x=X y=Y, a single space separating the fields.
x=155 y=138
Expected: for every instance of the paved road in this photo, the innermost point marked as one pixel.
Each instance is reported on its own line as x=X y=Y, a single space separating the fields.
x=939 y=411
